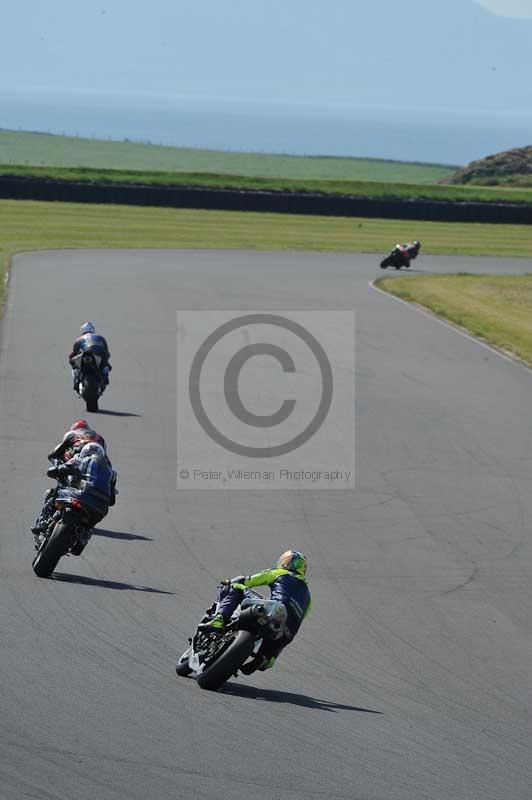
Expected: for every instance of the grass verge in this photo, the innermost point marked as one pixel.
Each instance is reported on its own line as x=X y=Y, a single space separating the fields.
x=360 y=188
x=495 y=308
x=29 y=225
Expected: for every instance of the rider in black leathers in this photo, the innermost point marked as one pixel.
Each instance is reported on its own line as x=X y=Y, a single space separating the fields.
x=92 y=342
x=408 y=251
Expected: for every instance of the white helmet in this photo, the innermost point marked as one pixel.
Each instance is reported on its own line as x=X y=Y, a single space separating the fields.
x=87 y=327
x=92 y=449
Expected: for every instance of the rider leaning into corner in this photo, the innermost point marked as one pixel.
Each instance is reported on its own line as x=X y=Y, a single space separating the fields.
x=79 y=434
x=409 y=251
x=91 y=342
x=92 y=480
x=288 y=585
x=70 y=446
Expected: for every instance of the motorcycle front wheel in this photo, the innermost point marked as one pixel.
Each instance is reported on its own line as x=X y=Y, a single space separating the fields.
x=182 y=668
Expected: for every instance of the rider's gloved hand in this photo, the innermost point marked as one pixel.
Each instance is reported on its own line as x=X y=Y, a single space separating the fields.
x=53 y=472
x=239 y=582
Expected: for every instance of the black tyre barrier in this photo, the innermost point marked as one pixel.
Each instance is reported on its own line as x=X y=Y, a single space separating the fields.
x=270 y=201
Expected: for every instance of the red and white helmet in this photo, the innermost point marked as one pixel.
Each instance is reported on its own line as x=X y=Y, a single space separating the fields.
x=79 y=424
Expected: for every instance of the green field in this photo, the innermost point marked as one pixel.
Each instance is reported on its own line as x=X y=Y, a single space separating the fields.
x=40 y=149
x=495 y=308
x=60 y=157
x=28 y=225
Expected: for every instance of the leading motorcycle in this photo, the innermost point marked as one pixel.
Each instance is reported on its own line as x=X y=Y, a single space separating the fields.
x=213 y=656
x=401 y=255
x=91 y=383
x=395 y=258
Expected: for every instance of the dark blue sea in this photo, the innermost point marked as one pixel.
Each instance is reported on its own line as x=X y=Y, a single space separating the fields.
x=428 y=135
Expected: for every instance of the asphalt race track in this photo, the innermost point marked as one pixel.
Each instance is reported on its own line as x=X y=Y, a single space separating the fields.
x=411 y=678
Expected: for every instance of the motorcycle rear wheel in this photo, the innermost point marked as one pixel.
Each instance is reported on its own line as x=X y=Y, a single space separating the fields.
x=49 y=554
x=216 y=674
x=90 y=393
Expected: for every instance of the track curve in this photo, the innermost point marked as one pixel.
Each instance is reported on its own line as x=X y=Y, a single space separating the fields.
x=410 y=680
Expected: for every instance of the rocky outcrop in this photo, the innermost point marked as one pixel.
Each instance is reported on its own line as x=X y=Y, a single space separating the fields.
x=509 y=167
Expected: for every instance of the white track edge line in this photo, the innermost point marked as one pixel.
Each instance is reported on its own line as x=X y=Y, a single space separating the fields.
x=372 y=284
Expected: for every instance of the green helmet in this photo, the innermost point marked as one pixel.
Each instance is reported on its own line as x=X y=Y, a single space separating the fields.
x=294 y=561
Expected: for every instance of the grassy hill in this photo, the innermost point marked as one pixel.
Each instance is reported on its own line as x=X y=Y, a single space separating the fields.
x=509 y=168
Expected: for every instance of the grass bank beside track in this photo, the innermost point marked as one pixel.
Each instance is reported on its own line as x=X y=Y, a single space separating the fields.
x=495 y=308
x=30 y=225
x=359 y=188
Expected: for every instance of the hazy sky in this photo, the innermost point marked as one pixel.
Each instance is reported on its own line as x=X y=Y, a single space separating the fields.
x=412 y=53
x=509 y=8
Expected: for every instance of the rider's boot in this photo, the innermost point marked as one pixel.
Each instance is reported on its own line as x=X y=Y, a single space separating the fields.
x=217 y=623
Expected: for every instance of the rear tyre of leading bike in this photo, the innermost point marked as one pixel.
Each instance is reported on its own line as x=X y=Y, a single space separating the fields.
x=90 y=393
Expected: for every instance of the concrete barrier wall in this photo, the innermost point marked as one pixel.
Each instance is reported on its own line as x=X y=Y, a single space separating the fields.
x=278 y=202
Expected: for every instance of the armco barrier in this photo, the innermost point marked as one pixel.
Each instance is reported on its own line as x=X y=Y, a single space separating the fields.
x=279 y=202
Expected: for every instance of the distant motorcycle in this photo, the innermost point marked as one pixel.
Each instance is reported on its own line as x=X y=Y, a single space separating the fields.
x=401 y=255
x=91 y=384
x=213 y=656
x=66 y=529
